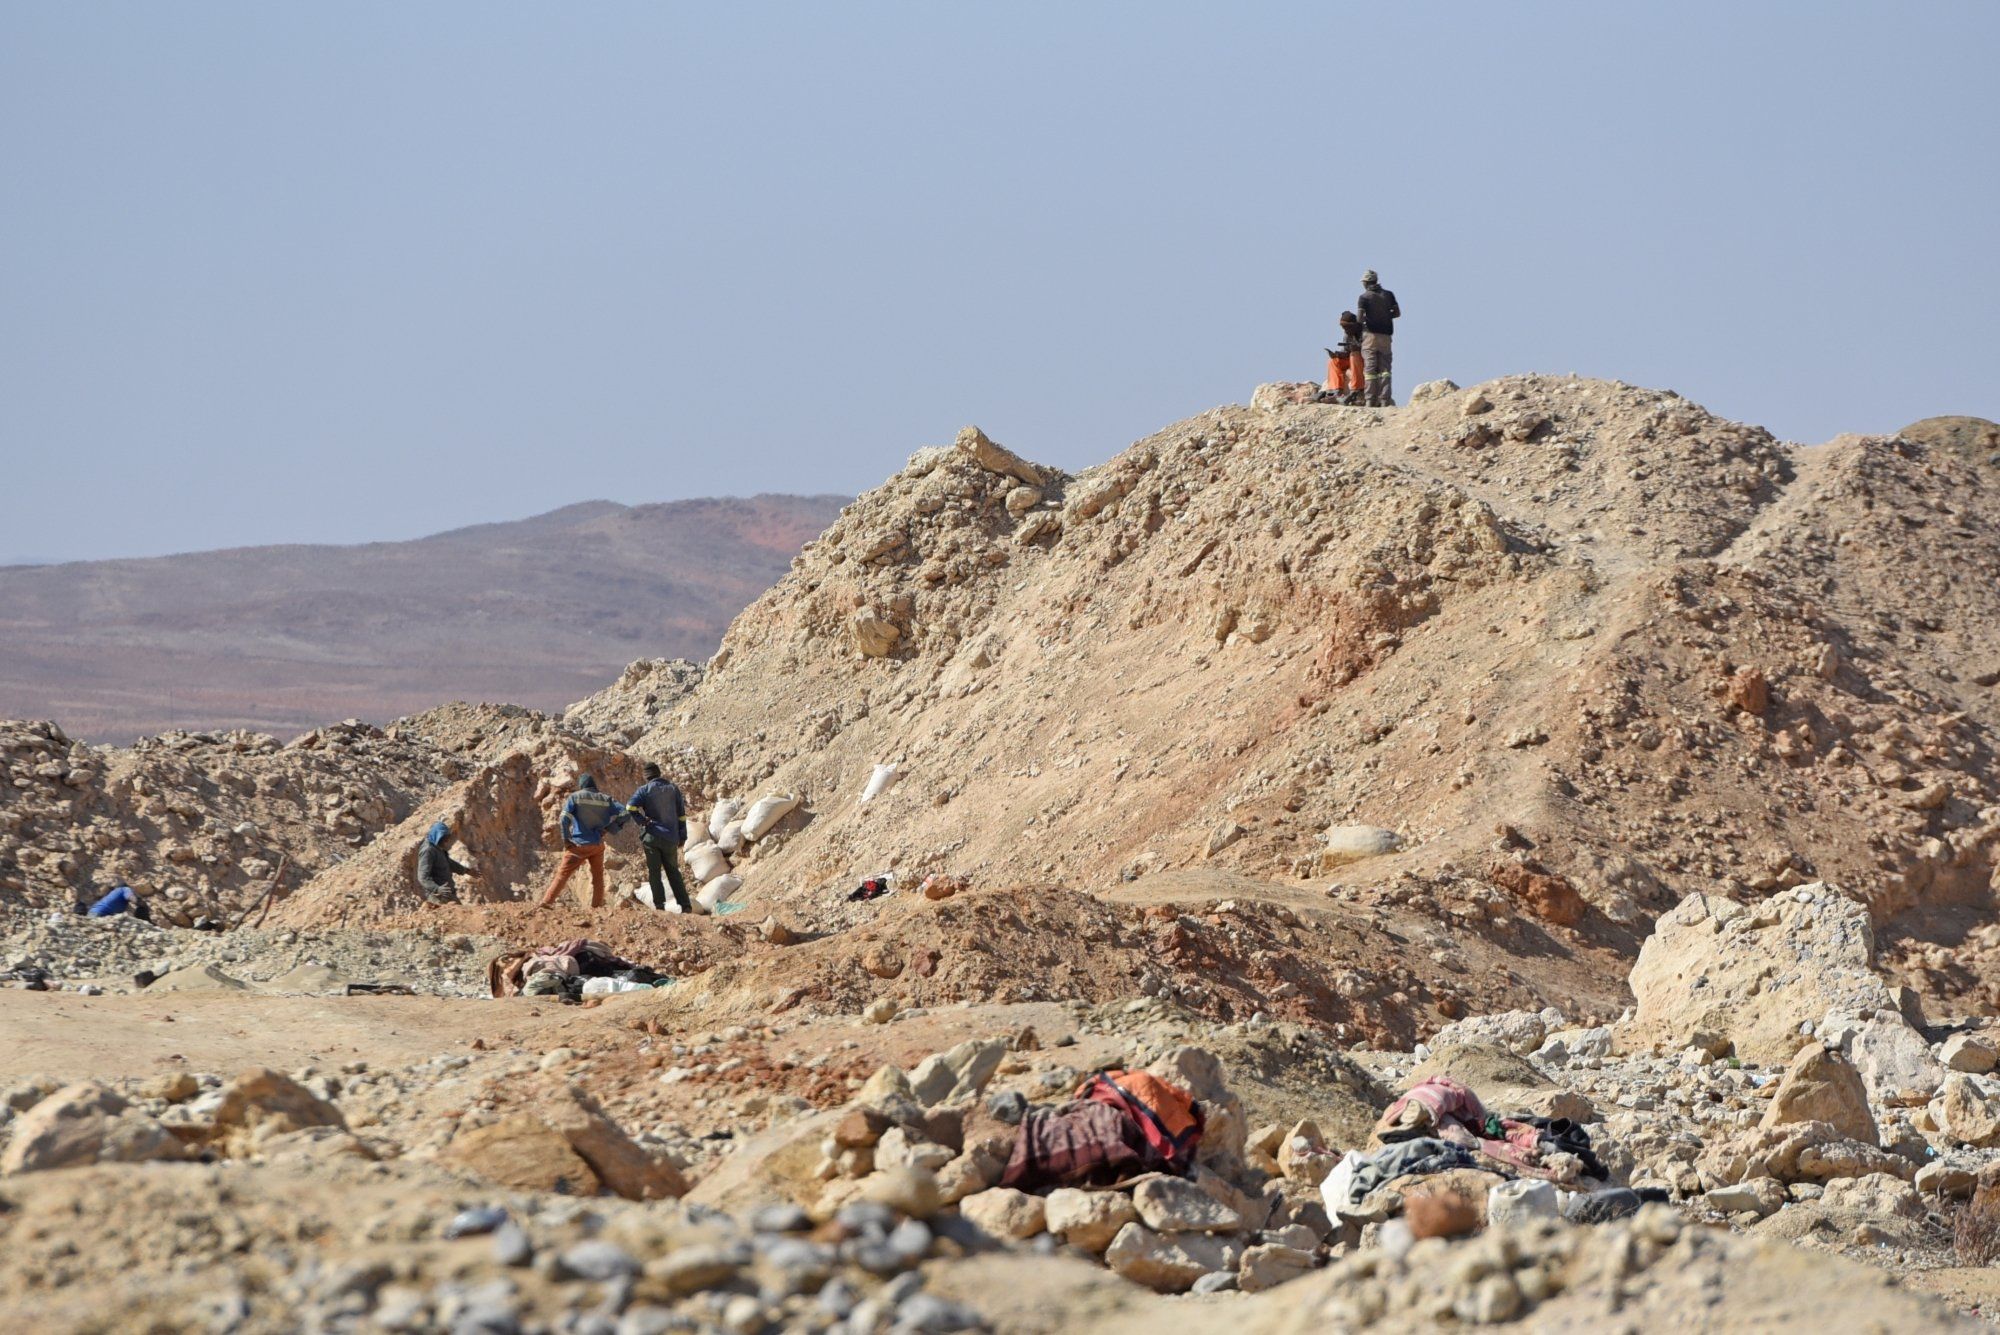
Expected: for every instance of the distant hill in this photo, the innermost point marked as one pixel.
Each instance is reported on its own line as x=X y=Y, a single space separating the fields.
x=537 y=612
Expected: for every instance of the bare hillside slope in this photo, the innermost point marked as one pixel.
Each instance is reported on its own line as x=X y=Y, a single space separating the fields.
x=534 y=612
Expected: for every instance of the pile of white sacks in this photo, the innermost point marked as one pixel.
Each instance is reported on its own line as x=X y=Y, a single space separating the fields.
x=730 y=830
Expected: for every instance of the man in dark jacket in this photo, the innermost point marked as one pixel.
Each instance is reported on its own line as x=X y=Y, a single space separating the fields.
x=1378 y=311
x=587 y=817
x=662 y=813
x=436 y=867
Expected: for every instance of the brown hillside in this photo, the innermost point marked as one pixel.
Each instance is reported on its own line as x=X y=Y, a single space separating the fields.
x=280 y=638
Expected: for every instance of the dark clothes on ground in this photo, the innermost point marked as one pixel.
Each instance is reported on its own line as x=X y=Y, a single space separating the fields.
x=1377 y=310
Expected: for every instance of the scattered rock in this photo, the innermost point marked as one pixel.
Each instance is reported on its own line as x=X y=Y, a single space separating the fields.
x=1169 y=1263
x=1823 y=1086
x=1088 y=1219
x=1005 y=1212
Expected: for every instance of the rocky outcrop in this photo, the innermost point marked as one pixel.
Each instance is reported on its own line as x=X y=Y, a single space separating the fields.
x=1758 y=975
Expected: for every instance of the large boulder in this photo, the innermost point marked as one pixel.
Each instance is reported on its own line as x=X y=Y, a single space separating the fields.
x=1504 y=1080
x=1968 y=1110
x=261 y=1103
x=1088 y=1219
x=621 y=1163
x=1356 y=843
x=524 y=1152
x=1004 y=1212
x=947 y=1077
x=85 y=1124
x=1895 y=1060
x=1176 y=1205
x=1822 y=1086
x=565 y=1143
x=1758 y=975
x=1169 y=1263
x=975 y=445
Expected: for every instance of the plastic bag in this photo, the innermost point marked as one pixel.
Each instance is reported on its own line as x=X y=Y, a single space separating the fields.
x=880 y=781
x=597 y=987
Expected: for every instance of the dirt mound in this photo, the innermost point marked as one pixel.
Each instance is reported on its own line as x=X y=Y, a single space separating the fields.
x=506 y=814
x=1974 y=437
x=1582 y=642
x=198 y=821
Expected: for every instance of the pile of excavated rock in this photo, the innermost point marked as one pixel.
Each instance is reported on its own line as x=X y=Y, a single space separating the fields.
x=926 y=1143
x=49 y=950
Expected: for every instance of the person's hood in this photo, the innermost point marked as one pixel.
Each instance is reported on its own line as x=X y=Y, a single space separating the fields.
x=585 y=782
x=439 y=836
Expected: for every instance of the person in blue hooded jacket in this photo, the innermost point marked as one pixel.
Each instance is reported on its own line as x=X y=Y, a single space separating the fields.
x=436 y=866
x=124 y=899
x=587 y=817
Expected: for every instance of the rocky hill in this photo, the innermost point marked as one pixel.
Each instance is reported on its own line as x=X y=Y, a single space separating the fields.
x=533 y=612
x=1571 y=649
x=1624 y=764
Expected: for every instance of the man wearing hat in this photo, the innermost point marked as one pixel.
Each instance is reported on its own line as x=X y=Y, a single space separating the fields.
x=1378 y=311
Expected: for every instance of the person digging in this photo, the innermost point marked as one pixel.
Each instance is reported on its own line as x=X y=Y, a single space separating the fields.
x=436 y=867
x=587 y=817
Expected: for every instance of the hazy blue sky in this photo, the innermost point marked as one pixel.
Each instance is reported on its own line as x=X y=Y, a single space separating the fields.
x=353 y=271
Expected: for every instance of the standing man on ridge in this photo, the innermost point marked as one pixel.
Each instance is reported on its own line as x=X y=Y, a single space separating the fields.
x=1378 y=311
x=587 y=817
x=662 y=813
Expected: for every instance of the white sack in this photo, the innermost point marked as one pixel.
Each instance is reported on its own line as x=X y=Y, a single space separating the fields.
x=707 y=862
x=880 y=781
x=767 y=813
x=727 y=810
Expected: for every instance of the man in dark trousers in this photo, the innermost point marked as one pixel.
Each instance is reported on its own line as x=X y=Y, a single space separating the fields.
x=662 y=813
x=436 y=866
x=1378 y=311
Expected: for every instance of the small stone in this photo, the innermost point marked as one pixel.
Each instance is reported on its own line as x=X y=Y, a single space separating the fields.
x=479 y=1220
x=1008 y=1106
x=512 y=1246
x=597 y=1260
x=1176 y=1205
x=779 y=1218
x=1969 y=1052
x=1087 y=1219
x=879 y=1011
x=1005 y=1213
x=686 y=1270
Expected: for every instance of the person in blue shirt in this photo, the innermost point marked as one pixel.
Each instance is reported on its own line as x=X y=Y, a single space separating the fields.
x=122 y=900
x=662 y=816
x=587 y=817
